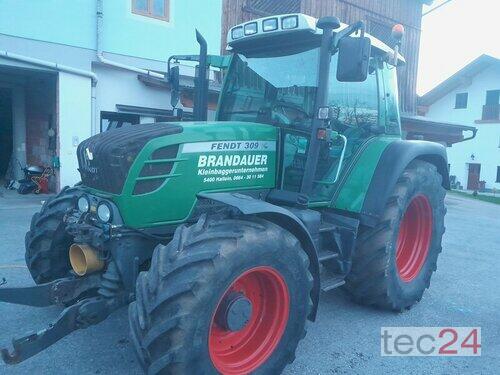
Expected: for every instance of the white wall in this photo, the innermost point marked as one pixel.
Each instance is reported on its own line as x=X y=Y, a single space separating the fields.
x=486 y=146
x=118 y=86
x=74 y=109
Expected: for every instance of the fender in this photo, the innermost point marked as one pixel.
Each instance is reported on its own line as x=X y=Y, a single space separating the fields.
x=285 y=219
x=392 y=163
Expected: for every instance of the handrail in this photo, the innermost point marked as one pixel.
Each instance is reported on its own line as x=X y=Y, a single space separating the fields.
x=339 y=167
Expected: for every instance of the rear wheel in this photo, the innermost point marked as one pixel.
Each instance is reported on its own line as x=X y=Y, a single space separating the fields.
x=47 y=243
x=222 y=297
x=394 y=261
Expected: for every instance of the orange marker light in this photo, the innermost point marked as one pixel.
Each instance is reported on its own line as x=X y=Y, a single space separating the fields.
x=398 y=31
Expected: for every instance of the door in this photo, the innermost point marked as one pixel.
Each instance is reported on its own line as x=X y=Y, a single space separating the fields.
x=5 y=130
x=357 y=116
x=473 y=178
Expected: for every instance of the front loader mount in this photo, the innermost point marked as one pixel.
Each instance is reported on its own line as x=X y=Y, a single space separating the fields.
x=108 y=297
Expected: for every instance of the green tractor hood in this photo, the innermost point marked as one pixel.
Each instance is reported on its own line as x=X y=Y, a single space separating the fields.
x=154 y=172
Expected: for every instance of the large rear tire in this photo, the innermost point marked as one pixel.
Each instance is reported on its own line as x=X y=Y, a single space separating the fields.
x=47 y=243
x=394 y=261
x=224 y=296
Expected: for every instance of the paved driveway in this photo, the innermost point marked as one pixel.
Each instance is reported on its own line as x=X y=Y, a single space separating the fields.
x=345 y=339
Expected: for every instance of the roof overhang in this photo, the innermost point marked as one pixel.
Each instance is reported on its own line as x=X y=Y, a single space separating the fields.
x=425 y=128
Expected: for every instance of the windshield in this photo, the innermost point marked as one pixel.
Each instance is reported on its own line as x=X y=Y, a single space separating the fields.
x=278 y=90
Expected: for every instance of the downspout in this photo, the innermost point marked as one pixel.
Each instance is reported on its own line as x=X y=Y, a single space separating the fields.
x=60 y=68
x=100 y=55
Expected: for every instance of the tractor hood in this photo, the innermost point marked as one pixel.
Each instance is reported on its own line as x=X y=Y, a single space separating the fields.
x=105 y=159
x=153 y=172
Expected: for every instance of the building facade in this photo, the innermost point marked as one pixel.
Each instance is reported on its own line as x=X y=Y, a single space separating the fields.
x=70 y=69
x=472 y=96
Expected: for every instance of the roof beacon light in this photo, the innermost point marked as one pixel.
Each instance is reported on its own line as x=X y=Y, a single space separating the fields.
x=398 y=31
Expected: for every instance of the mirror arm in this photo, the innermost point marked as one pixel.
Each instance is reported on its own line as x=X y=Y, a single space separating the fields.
x=349 y=30
x=181 y=57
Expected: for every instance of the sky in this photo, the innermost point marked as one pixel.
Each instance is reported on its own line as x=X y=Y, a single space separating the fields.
x=454 y=35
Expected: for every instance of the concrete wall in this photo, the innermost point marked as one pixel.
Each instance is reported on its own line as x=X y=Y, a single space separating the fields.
x=486 y=146
x=74 y=107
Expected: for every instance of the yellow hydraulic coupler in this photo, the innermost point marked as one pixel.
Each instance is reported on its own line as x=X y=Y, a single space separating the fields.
x=84 y=259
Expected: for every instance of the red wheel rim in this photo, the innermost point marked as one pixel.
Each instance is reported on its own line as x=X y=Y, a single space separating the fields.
x=245 y=350
x=414 y=239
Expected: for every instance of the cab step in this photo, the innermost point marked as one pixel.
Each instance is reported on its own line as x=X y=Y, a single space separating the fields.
x=327 y=227
x=331 y=283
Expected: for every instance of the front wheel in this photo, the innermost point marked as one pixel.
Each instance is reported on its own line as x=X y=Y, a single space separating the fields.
x=224 y=296
x=47 y=242
x=394 y=261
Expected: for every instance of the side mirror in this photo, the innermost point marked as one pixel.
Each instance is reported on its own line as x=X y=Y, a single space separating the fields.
x=173 y=79
x=354 y=59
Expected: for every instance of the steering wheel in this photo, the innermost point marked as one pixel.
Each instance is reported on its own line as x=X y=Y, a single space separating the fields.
x=280 y=111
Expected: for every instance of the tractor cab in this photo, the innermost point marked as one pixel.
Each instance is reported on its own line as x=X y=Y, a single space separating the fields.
x=324 y=112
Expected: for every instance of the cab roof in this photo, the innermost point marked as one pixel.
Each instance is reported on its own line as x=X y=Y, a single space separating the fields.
x=251 y=34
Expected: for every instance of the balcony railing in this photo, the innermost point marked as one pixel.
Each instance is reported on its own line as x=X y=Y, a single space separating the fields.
x=491 y=112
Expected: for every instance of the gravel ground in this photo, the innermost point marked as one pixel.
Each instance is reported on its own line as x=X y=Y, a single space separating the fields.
x=344 y=340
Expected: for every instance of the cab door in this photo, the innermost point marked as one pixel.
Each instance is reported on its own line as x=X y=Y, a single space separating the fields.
x=359 y=115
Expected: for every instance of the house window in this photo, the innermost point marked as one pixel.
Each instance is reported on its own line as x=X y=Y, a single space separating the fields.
x=498 y=174
x=491 y=110
x=492 y=97
x=461 y=100
x=152 y=8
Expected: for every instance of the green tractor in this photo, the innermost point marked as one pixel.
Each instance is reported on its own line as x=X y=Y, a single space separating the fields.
x=220 y=235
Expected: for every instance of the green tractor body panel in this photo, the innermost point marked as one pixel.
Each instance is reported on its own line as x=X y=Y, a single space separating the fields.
x=221 y=157
x=212 y=156
x=352 y=191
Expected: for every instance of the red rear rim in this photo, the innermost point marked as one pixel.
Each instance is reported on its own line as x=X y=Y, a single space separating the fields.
x=414 y=239
x=245 y=350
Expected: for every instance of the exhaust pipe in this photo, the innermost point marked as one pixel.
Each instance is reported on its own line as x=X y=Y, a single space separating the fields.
x=84 y=259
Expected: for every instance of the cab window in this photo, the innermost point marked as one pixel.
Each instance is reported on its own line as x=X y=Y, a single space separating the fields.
x=356 y=116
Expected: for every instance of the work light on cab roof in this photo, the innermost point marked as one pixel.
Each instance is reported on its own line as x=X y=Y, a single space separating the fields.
x=286 y=22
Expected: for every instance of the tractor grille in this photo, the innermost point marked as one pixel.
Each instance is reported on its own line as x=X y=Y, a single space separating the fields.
x=105 y=159
x=156 y=170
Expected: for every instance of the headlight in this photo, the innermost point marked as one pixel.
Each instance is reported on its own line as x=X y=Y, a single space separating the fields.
x=104 y=212
x=83 y=204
